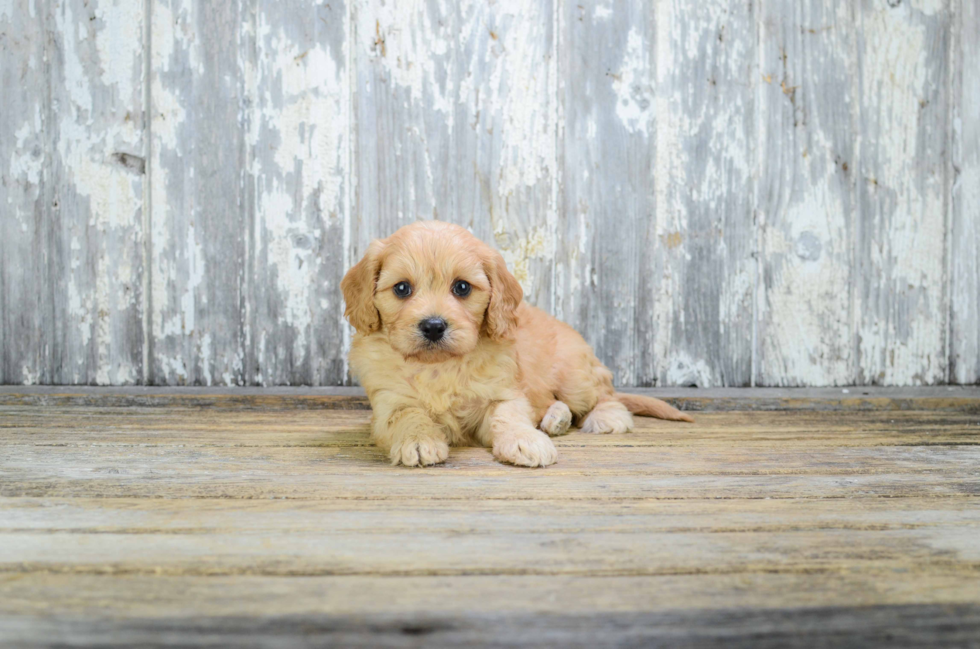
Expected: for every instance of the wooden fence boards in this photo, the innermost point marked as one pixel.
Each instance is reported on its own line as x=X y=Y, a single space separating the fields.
x=299 y=146
x=806 y=210
x=964 y=235
x=24 y=162
x=73 y=192
x=724 y=194
x=702 y=272
x=201 y=211
x=607 y=151
x=903 y=100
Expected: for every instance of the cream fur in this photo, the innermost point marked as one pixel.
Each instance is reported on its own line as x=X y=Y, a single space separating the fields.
x=503 y=368
x=557 y=419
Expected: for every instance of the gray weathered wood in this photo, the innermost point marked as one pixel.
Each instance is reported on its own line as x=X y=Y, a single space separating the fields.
x=504 y=121
x=299 y=154
x=263 y=524
x=456 y=121
x=380 y=539
x=777 y=193
x=910 y=625
x=962 y=399
x=607 y=147
x=698 y=275
x=964 y=233
x=24 y=204
x=405 y=103
x=202 y=212
x=97 y=183
x=806 y=196
x=902 y=190
x=72 y=162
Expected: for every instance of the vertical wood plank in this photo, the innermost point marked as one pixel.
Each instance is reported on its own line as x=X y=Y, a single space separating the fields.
x=504 y=130
x=300 y=134
x=902 y=191
x=24 y=158
x=456 y=121
x=461 y=115
x=964 y=237
x=607 y=152
x=697 y=282
x=202 y=199
x=73 y=277
x=806 y=195
x=406 y=92
x=97 y=175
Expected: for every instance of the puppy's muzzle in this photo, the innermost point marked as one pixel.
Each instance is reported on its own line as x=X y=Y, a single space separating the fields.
x=433 y=328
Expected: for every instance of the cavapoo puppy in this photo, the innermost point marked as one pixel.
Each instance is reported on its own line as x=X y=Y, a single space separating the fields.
x=449 y=353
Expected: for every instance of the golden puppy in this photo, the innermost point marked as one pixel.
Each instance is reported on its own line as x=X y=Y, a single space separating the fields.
x=448 y=353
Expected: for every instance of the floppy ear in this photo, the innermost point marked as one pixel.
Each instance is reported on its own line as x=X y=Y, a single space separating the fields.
x=358 y=287
x=505 y=295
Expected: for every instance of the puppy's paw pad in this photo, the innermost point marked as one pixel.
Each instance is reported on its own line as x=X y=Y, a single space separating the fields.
x=422 y=451
x=557 y=420
x=531 y=448
x=608 y=420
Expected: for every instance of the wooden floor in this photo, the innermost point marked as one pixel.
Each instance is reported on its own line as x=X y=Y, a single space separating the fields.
x=781 y=518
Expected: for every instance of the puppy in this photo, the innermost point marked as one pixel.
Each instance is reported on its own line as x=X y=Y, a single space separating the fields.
x=449 y=353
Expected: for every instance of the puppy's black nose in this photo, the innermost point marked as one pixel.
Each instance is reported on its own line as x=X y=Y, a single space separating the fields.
x=433 y=328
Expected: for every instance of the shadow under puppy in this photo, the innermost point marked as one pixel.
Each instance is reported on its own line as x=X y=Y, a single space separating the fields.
x=448 y=352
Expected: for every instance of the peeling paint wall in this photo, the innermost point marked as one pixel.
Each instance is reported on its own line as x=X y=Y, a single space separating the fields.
x=72 y=183
x=721 y=193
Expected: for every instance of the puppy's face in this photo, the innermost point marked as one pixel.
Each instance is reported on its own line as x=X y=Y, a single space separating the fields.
x=431 y=296
x=434 y=289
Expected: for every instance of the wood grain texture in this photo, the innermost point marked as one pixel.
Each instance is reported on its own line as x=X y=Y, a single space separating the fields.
x=111 y=452
x=902 y=191
x=607 y=137
x=261 y=598
x=938 y=399
x=505 y=124
x=727 y=194
x=202 y=210
x=73 y=177
x=265 y=524
x=964 y=234
x=240 y=473
x=255 y=425
x=806 y=196
x=871 y=626
x=24 y=157
x=456 y=121
x=405 y=104
x=299 y=149
x=456 y=545
x=698 y=280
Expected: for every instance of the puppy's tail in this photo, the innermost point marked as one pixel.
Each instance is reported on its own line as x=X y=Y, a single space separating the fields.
x=651 y=407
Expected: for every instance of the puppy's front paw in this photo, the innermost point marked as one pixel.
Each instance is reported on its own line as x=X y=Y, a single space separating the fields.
x=557 y=420
x=419 y=451
x=525 y=447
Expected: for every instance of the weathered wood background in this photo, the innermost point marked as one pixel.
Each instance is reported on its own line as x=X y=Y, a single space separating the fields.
x=715 y=193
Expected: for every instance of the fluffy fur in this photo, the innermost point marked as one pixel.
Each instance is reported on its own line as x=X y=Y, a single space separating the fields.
x=505 y=375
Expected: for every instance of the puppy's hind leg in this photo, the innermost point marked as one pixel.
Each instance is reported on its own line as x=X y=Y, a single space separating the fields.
x=608 y=417
x=557 y=419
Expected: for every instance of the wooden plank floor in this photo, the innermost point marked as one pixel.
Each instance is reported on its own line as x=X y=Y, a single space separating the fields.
x=781 y=518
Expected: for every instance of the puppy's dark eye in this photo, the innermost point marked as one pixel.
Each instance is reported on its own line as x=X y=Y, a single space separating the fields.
x=402 y=289
x=461 y=288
